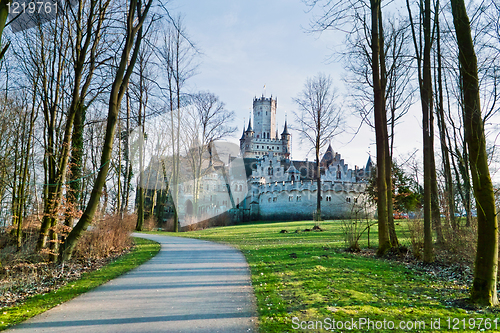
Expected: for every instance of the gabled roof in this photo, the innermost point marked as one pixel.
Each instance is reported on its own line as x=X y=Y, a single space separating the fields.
x=292 y=169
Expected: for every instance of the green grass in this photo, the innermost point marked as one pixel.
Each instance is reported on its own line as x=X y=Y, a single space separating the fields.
x=323 y=281
x=143 y=251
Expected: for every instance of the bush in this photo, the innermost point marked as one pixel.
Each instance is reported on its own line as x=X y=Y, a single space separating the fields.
x=416 y=231
x=8 y=246
x=150 y=223
x=460 y=245
x=105 y=237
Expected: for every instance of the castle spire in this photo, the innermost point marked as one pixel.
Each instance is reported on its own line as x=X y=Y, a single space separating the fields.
x=285 y=130
x=249 y=129
x=243 y=135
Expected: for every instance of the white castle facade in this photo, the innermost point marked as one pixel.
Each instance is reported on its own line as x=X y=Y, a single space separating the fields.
x=282 y=189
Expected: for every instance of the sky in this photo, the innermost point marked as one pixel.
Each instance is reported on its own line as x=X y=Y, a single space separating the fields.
x=247 y=45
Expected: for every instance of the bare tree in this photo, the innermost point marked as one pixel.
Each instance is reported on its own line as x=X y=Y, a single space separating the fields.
x=355 y=15
x=208 y=122
x=177 y=55
x=136 y=15
x=318 y=119
x=423 y=58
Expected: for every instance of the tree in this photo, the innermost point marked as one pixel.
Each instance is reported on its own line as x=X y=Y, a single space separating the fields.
x=484 y=289
x=318 y=119
x=398 y=93
x=207 y=123
x=443 y=131
x=177 y=54
x=405 y=191
x=354 y=14
x=136 y=15
x=4 y=13
x=423 y=58
x=380 y=121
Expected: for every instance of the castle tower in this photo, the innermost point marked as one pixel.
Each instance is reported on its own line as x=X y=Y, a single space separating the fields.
x=264 y=117
x=286 y=142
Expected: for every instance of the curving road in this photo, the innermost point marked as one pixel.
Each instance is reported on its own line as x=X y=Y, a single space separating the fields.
x=190 y=286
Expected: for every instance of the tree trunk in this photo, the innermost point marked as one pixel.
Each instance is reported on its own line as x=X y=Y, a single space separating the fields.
x=445 y=155
x=380 y=132
x=318 y=182
x=484 y=289
x=388 y=156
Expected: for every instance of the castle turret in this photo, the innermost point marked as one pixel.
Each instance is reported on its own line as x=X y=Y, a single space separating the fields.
x=286 y=142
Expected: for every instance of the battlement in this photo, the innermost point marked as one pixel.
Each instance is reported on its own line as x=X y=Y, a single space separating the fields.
x=260 y=100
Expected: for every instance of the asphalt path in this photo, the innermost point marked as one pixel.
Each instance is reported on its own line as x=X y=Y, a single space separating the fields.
x=189 y=286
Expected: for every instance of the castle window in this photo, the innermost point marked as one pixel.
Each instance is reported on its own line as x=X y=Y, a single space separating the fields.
x=267 y=147
x=328 y=198
x=277 y=148
x=269 y=200
x=355 y=200
x=290 y=198
x=266 y=113
x=299 y=198
x=257 y=147
x=241 y=188
x=348 y=199
x=275 y=199
x=257 y=136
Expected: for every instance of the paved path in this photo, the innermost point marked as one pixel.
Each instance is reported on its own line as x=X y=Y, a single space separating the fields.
x=190 y=286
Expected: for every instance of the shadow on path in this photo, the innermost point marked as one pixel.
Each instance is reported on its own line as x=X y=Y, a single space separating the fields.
x=190 y=286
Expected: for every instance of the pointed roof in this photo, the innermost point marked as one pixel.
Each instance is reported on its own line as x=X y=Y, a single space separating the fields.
x=328 y=156
x=249 y=129
x=243 y=135
x=285 y=130
x=369 y=163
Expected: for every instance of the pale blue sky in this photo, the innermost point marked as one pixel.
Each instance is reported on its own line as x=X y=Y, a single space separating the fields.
x=248 y=44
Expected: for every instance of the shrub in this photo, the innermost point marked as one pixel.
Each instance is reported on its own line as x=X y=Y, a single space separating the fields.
x=106 y=236
x=416 y=233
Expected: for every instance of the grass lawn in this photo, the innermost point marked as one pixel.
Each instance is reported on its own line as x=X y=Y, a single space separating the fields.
x=143 y=251
x=308 y=275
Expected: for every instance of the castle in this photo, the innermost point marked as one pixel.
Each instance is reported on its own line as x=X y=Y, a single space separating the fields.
x=262 y=182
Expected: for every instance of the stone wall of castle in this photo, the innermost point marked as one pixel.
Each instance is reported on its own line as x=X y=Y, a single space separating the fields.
x=297 y=200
